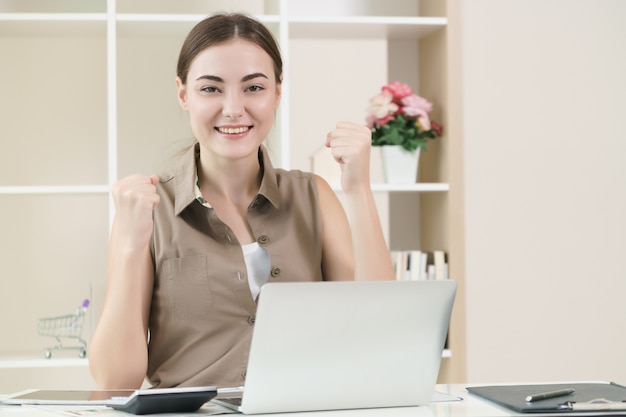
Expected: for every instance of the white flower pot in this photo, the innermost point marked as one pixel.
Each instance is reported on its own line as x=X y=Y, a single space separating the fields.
x=399 y=165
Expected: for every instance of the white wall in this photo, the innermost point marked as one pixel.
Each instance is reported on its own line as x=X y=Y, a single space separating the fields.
x=544 y=87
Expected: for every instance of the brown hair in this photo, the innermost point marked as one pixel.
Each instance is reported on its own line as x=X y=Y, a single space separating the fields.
x=224 y=27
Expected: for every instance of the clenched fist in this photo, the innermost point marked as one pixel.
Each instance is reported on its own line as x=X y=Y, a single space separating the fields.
x=135 y=198
x=350 y=145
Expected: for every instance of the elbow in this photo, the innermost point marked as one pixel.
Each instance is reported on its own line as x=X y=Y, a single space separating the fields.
x=113 y=378
x=114 y=372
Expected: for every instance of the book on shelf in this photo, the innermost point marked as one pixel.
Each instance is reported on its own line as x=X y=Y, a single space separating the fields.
x=414 y=265
x=441 y=265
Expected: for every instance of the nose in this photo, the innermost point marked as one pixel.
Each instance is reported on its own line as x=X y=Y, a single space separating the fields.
x=233 y=106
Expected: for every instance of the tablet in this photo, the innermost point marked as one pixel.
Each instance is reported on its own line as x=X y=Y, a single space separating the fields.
x=149 y=401
x=66 y=397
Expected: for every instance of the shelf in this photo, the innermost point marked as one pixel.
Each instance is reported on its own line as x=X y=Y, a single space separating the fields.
x=364 y=27
x=37 y=360
x=96 y=189
x=32 y=362
x=300 y=27
x=54 y=189
x=134 y=24
x=157 y=17
x=420 y=187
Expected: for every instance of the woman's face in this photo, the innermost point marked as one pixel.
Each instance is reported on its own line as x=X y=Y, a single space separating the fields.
x=231 y=96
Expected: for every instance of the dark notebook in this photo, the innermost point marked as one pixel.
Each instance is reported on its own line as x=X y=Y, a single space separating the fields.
x=514 y=396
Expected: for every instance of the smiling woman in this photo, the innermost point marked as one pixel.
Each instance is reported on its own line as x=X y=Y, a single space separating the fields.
x=190 y=249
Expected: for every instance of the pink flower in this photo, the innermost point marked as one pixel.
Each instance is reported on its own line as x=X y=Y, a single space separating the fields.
x=384 y=120
x=381 y=109
x=398 y=90
x=414 y=105
x=423 y=121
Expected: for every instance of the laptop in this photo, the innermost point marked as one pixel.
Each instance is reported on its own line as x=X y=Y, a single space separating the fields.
x=344 y=345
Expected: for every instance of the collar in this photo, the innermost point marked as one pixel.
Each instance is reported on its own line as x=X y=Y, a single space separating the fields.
x=186 y=180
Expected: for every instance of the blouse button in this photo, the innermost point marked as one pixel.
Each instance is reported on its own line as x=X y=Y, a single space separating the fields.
x=251 y=320
x=263 y=239
x=275 y=272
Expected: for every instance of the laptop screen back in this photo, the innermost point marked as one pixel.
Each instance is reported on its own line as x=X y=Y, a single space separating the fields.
x=338 y=345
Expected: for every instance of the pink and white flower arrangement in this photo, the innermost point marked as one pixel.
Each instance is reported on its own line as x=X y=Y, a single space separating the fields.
x=399 y=117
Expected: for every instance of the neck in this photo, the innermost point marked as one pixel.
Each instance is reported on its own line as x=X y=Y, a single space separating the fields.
x=235 y=180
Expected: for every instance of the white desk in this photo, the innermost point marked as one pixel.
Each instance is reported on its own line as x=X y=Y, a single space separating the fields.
x=470 y=406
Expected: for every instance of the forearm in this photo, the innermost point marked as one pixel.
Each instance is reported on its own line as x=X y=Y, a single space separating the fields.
x=371 y=254
x=118 y=355
x=350 y=145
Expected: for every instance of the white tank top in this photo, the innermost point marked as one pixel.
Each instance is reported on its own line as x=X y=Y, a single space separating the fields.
x=258 y=266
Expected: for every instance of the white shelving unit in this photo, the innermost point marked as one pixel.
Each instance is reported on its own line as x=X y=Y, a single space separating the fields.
x=90 y=98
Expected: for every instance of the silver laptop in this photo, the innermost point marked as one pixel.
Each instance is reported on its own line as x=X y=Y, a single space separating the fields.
x=344 y=345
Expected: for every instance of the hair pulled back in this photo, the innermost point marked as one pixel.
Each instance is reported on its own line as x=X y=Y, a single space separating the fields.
x=223 y=27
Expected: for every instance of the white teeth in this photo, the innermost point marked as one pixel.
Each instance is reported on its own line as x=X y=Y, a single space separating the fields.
x=232 y=130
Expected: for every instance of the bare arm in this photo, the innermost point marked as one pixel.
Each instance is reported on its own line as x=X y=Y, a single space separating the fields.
x=337 y=250
x=118 y=355
x=350 y=145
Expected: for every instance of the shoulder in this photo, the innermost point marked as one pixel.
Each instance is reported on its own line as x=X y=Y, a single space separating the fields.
x=301 y=188
x=327 y=195
x=302 y=182
x=294 y=178
x=176 y=184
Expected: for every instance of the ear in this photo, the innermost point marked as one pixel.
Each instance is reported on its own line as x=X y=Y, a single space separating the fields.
x=182 y=93
x=279 y=92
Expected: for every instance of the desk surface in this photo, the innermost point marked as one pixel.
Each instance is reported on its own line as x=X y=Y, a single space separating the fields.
x=470 y=406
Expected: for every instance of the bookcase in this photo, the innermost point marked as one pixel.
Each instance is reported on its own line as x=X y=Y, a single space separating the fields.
x=87 y=96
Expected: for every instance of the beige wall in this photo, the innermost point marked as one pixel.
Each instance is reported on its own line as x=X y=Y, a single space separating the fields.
x=545 y=203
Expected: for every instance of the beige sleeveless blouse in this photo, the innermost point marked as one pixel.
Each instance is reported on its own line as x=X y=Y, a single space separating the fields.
x=202 y=312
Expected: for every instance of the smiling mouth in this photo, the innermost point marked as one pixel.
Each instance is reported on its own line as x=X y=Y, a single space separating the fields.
x=233 y=130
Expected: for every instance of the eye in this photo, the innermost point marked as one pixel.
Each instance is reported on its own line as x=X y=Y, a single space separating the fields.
x=255 y=88
x=209 y=89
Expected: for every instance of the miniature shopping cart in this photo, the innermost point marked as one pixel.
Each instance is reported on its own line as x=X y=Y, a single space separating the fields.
x=65 y=327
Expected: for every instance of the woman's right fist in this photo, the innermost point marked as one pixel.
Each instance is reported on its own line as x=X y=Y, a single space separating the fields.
x=135 y=197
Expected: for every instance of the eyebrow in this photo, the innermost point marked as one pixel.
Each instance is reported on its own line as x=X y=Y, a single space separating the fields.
x=243 y=79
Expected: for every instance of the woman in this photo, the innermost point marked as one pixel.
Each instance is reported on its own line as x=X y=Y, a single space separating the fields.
x=189 y=250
